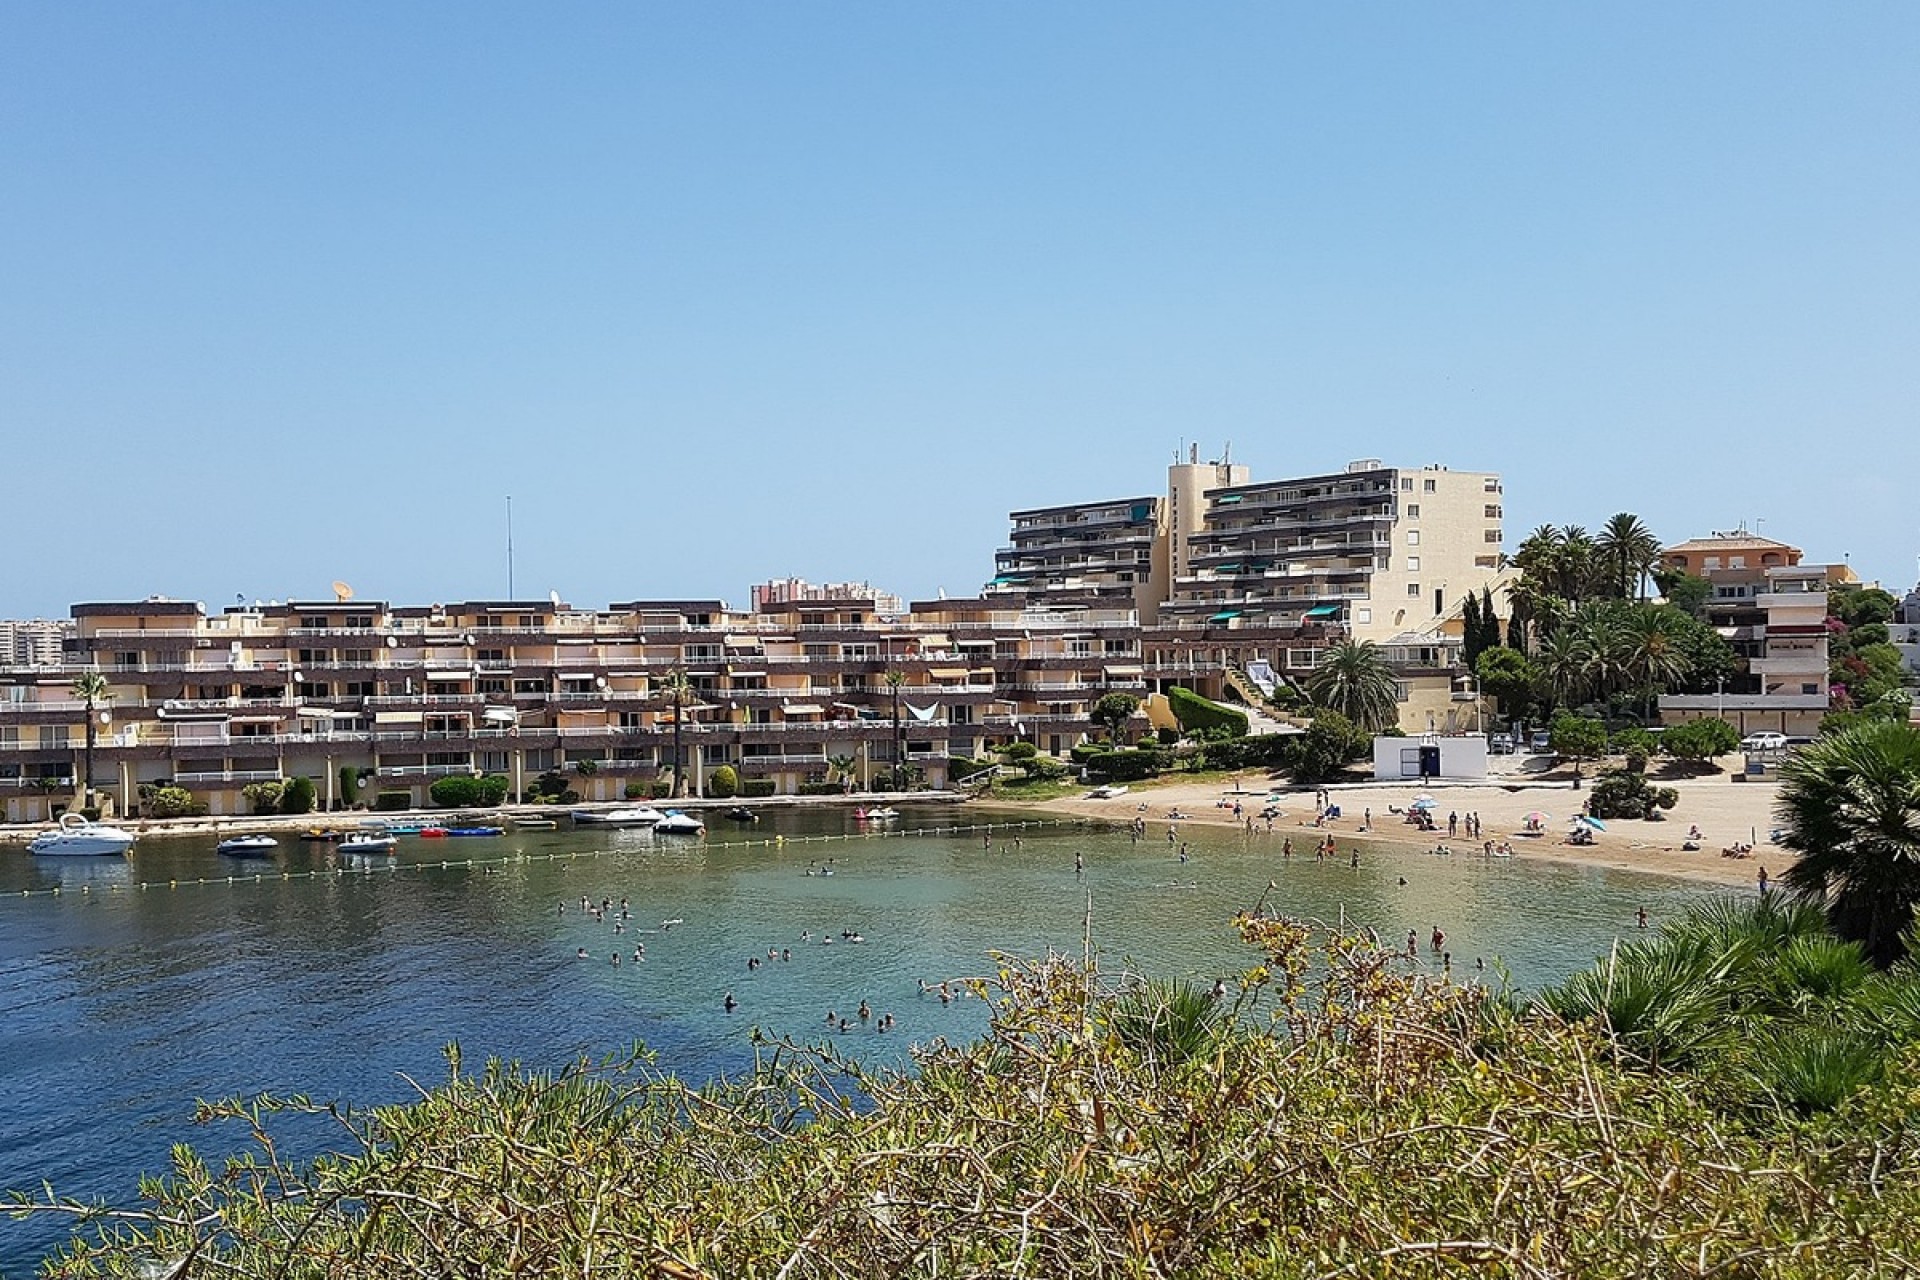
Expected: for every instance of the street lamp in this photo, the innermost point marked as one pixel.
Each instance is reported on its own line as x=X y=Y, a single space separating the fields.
x=1720 y=697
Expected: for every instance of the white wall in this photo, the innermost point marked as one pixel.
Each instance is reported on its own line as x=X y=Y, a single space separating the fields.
x=1464 y=758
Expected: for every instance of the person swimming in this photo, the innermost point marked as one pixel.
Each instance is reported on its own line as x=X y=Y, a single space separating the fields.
x=730 y=1004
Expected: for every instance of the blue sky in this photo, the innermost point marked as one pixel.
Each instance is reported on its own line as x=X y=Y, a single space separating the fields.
x=725 y=292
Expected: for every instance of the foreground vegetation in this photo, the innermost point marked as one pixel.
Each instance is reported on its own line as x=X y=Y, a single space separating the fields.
x=1331 y=1114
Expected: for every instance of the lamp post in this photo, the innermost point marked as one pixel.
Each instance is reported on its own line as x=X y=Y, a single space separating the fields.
x=1720 y=697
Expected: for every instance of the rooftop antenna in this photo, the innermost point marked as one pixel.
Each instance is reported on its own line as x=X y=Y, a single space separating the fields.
x=1226 y=458
x=509 y=546
x=341 y=592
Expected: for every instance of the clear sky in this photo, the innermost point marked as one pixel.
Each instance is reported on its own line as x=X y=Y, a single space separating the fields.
x=719 y=292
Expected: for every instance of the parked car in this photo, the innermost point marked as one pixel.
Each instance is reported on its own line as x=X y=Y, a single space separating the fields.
x=1763 y=742
x=1500 y=744
x=1542 y=741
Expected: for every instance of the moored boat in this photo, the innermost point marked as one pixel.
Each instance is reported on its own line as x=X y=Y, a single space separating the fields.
x=880 y=814
x=77 y=837
x=247 y=846
x=453 y=832
x=367 y=842
x=629 y=815
x=676 y=823
x=740 y=813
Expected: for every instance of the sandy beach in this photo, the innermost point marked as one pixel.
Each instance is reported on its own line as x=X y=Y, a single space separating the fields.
x=1725 y=811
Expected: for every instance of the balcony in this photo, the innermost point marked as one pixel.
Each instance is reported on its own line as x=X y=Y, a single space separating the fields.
x=229 y=776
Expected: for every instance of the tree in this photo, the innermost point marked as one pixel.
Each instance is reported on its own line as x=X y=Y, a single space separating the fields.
x=1561 y=667
x=1627 y=551
x=1329 y=743
x=1687 y=592
x=1489 y=621
x=1651 y=653
x=1508 y=678
x=1113 y=711
x=1471 y=637
x=724 y=782
x=1354 y=680
x=1577 y=738
x=1700 y=740
x=894 y=679
x=90 y=687
x=841 y=767
x=298 y=795
x=679 y=692
x=1849 y=805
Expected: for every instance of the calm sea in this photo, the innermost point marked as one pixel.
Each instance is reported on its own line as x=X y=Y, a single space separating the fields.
x=147 y=983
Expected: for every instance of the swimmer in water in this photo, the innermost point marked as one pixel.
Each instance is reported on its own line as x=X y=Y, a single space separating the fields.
x=730 y=1004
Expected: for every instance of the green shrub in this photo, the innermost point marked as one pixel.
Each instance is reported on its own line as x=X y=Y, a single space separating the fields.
x=1019 y=752
x=1196 y=713
x=723 y=783
x=263 y=797
x=1696 y=741
x=171 y=802
x=298 y=796
x=1129 y=766
x=634 y=790
x=821 y=789
x=391 y=801
x=758 y=788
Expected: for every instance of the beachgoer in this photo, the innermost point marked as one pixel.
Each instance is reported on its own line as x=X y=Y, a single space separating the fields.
x=1641 y=917
x=730 y=1004
x=1413 y=943
x=1439 y=938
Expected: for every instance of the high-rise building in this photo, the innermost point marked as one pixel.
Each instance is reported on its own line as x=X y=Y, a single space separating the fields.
x=1110 y=554
x=36 y=642
x=793 y=590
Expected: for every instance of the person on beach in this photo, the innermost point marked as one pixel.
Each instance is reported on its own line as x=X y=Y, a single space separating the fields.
x=1286 y=847
x=1439 y=938
x=1641 y=917
x=1079 y=863
x=1763 y=882
x=1413 y=944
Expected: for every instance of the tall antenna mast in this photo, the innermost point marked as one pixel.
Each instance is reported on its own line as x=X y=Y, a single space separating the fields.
x=509 y=546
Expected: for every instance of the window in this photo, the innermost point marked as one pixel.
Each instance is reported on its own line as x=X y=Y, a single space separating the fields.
x=483 y=686
x=1413 y=564
x=1363 y=616
x=1430 y=486
x=1413 y=511
x=1736 y=562
x=364 y=688
x=1493 y=511
x=1713 y=562
x=361 y=657
x=313 y=622
x=1413 y=590
x=1406 y=484
x=1402 y=690
x=1439 y=601
x=1383 y=562
x=1413 y=537
x=315 y=689
x=1493 y=535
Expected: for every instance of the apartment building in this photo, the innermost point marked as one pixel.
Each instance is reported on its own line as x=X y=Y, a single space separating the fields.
x=366 y=696
x=789 y=590
x=1387 y=552
x=1785 y=689
x=35 y=642
x=1101 y=555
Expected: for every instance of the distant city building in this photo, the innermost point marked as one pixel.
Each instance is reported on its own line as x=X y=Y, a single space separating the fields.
x=35 y=642
x=793 y=590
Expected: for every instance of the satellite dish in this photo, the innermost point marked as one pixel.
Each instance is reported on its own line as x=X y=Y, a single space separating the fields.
x=467 y=639
x=601 y=681
x=393 y=642
x=234 y=645
x=555 y=597
x=297 y=677
x=342 y=592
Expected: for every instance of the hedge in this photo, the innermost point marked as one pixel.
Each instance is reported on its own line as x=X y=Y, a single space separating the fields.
x=389 y=801
x=821 y=789
x=1196 y=713
x=758 y=788
x=1129 y=766
x=462 y=792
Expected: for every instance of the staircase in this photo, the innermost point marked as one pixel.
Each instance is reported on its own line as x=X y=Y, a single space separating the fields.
x=1258 y=719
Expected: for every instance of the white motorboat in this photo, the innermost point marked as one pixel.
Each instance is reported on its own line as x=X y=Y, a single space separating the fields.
x=76 y=836
x=676 y=823
x=247 y=846
x=367 y=842
x=881 y=814
x=625 y=816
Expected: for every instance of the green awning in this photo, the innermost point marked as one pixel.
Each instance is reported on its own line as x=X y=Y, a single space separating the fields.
x=1228 y=616
x=1324 y=611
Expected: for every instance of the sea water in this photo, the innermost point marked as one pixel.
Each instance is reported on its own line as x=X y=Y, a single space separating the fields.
x=131 y=987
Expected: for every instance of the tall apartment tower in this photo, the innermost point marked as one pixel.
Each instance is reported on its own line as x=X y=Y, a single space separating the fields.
x=1385 y=551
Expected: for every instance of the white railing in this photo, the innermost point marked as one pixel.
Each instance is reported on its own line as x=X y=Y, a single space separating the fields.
x=230 y=775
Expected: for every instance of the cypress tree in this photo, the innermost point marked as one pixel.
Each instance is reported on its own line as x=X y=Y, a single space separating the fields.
x=1473 y=635
x=1489 y=621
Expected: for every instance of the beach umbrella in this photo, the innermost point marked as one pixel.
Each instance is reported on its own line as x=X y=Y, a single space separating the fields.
x=1538 y=817
x=1595 y=823
x=1424 y=802
x=1423 y=798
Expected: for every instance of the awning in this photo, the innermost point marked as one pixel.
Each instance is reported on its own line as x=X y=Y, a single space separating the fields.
x=255 y=720
x=1128 y=672
x=975 y=644
x=803 y=709
x=324 y=713
x=575 y=675
x=948 y=673
x=399 y=717
x=742 y=642
x=934 y=642
x=503 y=714
x=449 y=675
x=1324 y=611
x=981 y=671
x=1226 y=616
x=747 y=675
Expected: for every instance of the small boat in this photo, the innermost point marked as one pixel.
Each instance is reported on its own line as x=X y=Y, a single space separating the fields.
x=630 y=815
x=537 y=824
x=406 y=828
x=881 y=814
x=740 y=813
x=367 y=842
x=453 y=832
x=76 y=836
x=432 y=833
x=676 y=823
x=247 y=846
x=1106 y=793
x=320 y=834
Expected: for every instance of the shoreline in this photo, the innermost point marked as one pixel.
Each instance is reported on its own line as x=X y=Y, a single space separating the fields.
x=1725 y=812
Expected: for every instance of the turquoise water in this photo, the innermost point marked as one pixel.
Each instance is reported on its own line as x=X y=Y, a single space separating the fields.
x=135 y=990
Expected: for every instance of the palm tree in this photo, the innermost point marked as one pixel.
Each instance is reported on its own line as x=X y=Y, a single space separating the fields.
x=1563 y=664
x=1849 y=805
x=841 y=767
x=91 y=688
x=680 y=692
x=1354 y=680
x=894 y=679
x=1629 y=551
x=1650 y=654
